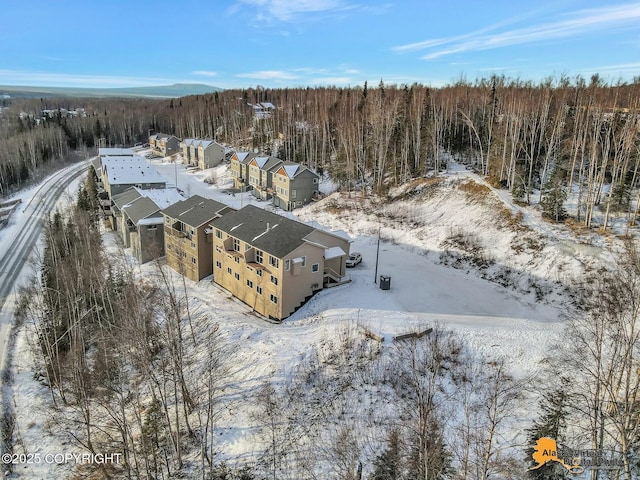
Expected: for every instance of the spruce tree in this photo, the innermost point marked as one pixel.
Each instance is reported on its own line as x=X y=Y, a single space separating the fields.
x=387 y=464
x=551 y=424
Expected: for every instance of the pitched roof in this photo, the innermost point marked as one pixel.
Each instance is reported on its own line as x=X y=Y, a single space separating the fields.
x=140 y=208
x=126 y=197
x=130 y=170
x=244 y=157
x=195 y=211
x=266 y=231
x=266 y=163
x=163 y=197
x=107 y=151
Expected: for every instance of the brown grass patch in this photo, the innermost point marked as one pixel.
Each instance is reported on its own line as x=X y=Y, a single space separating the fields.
x=474 y=189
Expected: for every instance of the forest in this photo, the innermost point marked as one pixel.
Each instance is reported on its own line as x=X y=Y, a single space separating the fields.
x=560 y=137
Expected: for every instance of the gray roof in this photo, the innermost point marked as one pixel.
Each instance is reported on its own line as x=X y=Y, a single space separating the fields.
x=264 y=230
x=97 y=165
x=128 y=196
x=140 y=208
x=195 y=211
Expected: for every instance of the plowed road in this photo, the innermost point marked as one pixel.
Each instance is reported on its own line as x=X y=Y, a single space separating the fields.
x=16 y=251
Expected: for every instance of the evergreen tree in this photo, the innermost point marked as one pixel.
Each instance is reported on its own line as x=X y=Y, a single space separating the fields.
x=553 y=198
x=387 y=464
x=551 y=424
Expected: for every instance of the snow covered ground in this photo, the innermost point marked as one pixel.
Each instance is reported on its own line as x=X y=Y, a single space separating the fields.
x=509 y=307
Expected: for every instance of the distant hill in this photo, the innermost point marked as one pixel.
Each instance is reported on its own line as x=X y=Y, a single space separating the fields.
x=161 y=91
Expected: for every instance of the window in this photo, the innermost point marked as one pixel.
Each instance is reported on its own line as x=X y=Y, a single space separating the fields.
x=258 y=272
x=218 y=264
x=237 y=276
x=152 y=227
x=193 y=260
x=259 y=290
x=273 y=298
x=274 y=280
x=229 y=271
x=304 y=261
x=287 y=265
x=193 y=245
x=168 y=220
x=249 y=284
x=315 y=267
x=193 y=231
x=236 y=244
x=274 y=261
x=293 y=194
x=315 y=180
x=237 y=259
x=259 y=255
x=218 y=233
x=170 y=246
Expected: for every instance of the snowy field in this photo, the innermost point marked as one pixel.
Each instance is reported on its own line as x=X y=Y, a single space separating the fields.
x=512 y=308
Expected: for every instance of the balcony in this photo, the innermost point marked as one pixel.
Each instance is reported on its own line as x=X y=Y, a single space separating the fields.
x=176 y=233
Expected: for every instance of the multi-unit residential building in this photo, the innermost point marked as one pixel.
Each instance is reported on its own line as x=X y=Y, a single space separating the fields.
x=293 y=185
x=210 y=154
x=189 y=151
x=239 y=166
x=164 y=145
x=260 y=169
x=139 y=220
x=122 y=173
x=272 y=263
x=117 y=174
x=188 y=237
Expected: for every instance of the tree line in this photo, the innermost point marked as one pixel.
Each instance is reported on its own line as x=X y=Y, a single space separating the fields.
x=559 y=137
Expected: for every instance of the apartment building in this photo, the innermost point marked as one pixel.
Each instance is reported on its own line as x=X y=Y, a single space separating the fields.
x=272 y=263
x=188 y=237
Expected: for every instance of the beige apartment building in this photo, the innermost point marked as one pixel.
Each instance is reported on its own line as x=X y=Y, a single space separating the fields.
x=188 y=237
x=272 y=263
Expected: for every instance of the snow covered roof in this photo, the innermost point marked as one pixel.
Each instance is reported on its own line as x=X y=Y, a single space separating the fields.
x=103 y=152
x=291 y=170
x=151 y=221
x=163 y=197
x=123 y=170
x=333 y=252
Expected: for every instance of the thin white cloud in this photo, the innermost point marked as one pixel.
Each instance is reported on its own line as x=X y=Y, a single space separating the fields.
x=269 y=75
x=328 y=81
x=287 y=10
x=205 y=73
x=581 y=22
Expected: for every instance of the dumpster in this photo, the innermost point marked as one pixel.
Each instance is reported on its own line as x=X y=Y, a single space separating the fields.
x=385 y=282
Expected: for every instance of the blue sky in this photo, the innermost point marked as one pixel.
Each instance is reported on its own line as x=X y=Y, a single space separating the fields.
x=292 y=43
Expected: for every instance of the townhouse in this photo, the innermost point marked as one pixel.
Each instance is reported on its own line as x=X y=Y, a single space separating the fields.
x=139 y=220
x=272 y=263
x=189 y=151
x=188 y=236
x=164 y=145
x=293 y=185
x=260 y=178
x=210 y=154
x=239 y=168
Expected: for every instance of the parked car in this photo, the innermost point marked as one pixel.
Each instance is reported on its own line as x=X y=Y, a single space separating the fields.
x=354 y=259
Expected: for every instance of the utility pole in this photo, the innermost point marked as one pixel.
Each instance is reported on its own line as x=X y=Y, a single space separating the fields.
x=375 y=278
